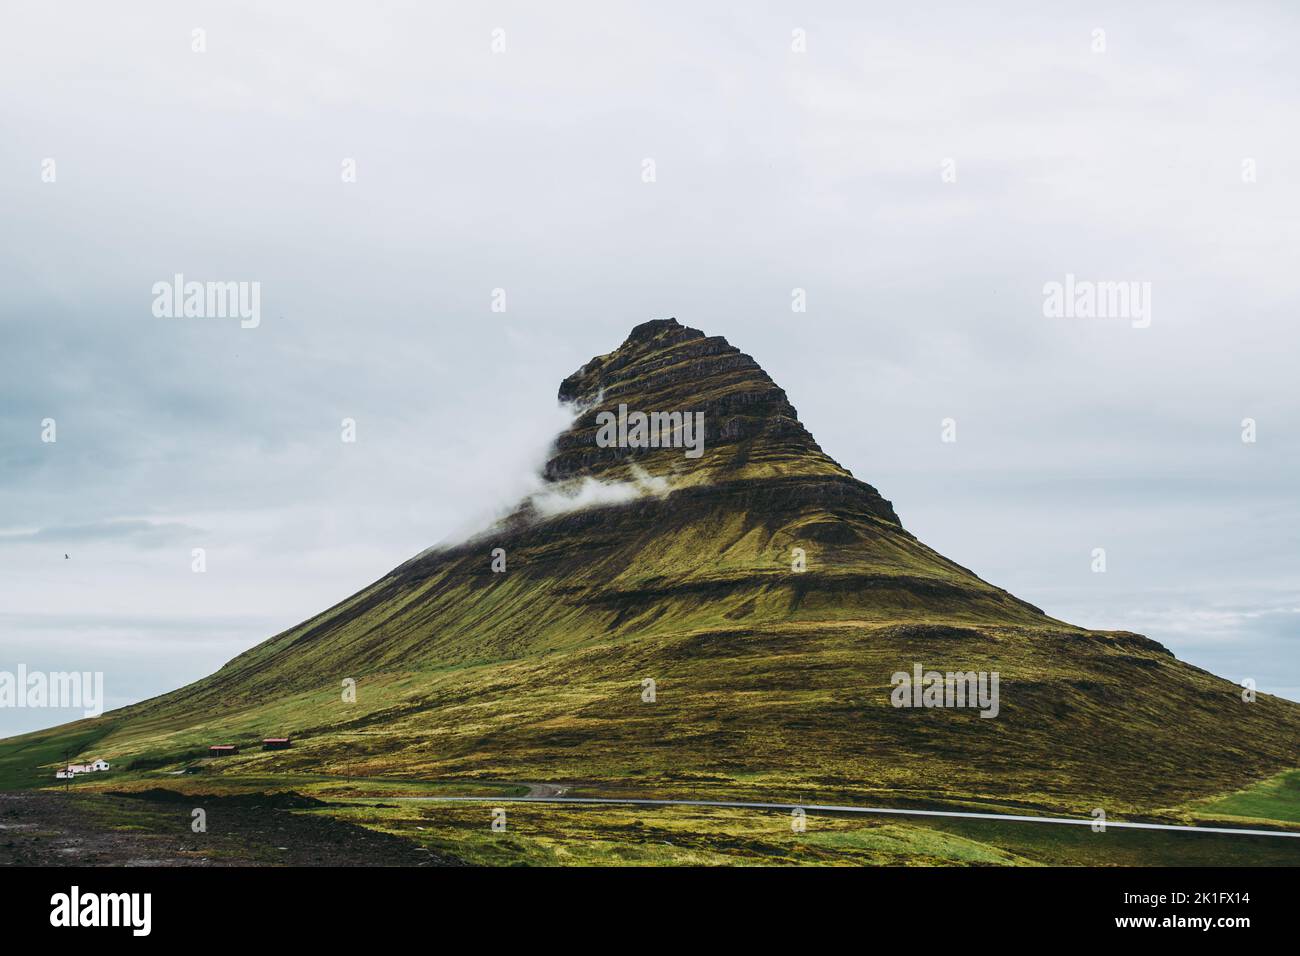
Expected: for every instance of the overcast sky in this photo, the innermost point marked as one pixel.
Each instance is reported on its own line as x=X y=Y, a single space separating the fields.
x=522 y=170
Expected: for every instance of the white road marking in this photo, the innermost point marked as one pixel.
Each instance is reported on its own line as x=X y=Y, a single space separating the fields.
x=833 y=808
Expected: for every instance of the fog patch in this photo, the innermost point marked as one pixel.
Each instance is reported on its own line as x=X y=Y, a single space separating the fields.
x=526 y=494
x=588 y=492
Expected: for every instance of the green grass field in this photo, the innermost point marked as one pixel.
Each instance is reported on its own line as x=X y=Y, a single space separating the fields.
x=551 y=834
x=1272 y=800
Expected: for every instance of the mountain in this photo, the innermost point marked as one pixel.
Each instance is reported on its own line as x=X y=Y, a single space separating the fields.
x=768 y=594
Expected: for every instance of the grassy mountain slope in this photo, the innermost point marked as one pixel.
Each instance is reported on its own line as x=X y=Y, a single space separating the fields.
x=769 y=681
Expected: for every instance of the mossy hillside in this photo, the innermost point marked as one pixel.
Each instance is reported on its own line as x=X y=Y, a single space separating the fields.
x=782 y=712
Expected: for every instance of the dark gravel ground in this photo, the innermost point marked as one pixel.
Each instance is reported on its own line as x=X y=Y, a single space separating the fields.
x=43 y=828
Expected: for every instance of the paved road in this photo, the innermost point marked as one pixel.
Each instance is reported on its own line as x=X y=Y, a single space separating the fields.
x=834 y=808
x=538 y=790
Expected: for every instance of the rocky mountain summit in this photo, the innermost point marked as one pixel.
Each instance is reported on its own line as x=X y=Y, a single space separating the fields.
x=751 y=429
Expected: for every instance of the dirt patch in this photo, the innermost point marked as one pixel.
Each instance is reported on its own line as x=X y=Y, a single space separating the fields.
x=281 y=800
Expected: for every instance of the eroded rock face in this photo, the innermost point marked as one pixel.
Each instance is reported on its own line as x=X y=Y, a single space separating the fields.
x=751 y=431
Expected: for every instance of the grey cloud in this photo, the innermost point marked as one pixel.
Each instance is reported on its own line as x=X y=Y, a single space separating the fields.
x=138 y=532
x=521 y=171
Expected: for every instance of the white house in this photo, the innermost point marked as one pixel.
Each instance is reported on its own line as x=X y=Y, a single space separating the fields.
x=99 y=763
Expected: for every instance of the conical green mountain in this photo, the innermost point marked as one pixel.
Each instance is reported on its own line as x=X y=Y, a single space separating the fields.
x=768 y=595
